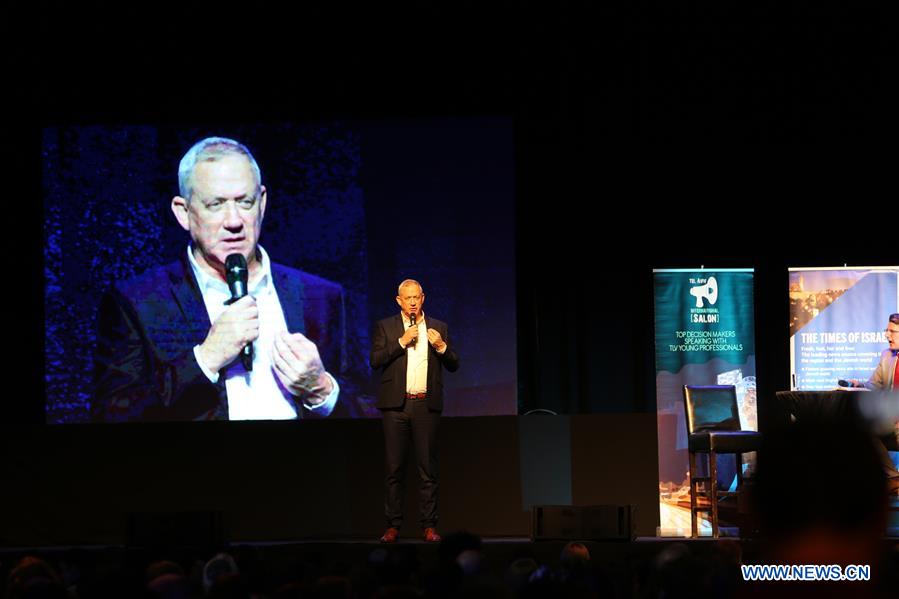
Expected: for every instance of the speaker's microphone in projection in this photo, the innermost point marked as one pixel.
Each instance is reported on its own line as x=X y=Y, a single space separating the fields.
x=238 y=275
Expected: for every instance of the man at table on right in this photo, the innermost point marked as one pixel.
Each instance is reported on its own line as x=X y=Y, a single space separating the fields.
x=886 y=378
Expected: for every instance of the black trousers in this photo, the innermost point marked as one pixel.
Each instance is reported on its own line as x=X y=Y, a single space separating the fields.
x=413 y=424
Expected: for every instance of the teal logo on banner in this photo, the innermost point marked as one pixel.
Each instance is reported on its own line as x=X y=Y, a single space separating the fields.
x=703 y=315
x=704 y=335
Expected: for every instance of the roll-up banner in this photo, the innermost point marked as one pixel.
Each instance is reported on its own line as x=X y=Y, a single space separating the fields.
x=704 y=335
x=837 y=321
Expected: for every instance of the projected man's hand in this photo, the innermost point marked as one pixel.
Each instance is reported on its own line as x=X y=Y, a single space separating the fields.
x=299 y=368
x=237 y=326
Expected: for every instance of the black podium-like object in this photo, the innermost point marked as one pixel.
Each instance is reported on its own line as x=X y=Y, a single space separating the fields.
x=840 y=405
x=831 y=405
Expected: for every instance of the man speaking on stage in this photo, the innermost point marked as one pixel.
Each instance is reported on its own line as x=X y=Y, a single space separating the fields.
x=220 y=333
x=411 y=351
x=886 y=374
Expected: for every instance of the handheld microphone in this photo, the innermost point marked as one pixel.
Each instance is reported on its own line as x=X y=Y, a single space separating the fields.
x=237 y=275
x=412 y=320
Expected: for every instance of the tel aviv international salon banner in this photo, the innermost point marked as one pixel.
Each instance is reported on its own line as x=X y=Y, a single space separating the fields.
x=704 y=335
x=837 y=321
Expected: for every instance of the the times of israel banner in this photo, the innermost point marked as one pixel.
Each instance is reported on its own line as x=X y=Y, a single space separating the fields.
x=704 y=335
x=837 y=321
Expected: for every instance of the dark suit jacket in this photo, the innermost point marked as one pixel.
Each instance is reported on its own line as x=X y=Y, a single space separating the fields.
x=144 y=366
x=388 y=356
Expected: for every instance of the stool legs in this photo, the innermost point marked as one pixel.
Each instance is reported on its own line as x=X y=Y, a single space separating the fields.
x=693 y=499
x=710 y=493
x=713 y=491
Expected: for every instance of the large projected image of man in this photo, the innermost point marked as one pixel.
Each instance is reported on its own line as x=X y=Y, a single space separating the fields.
x=168 y=340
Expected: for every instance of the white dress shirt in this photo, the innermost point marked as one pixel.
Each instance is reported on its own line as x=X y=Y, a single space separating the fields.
x=417 y=357
x=255 y=395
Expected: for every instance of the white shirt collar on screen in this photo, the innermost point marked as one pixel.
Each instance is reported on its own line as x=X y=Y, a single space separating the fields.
x=206 y=281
